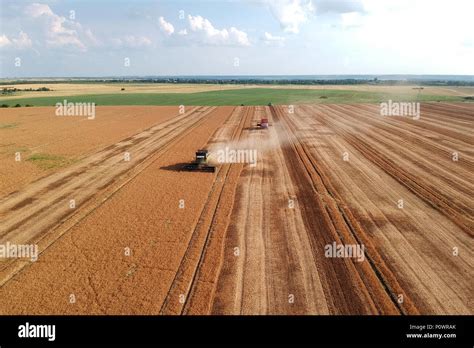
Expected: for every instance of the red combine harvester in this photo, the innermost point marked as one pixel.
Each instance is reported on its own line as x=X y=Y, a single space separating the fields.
x=263 y=123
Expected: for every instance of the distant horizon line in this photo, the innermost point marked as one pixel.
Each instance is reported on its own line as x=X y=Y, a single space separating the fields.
x=249 y=76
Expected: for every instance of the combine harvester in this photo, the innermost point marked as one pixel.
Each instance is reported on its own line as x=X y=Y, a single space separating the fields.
x=263 y=124
x=200 y=163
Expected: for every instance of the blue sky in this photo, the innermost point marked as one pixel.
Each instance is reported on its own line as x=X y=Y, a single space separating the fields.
x=235 y=37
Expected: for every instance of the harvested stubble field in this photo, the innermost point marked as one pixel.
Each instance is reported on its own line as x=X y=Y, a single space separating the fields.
x=148 y=238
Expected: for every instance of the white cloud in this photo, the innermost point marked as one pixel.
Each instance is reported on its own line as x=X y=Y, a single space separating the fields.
x=352 y=19
x=339 y=6
x=92 y=38
x=204 y=32
x=4 y=41
x=395 y=33
x=291 y=13
x=183 y=32
x=270 y=39
x=405 y=24
x=137 y=41
x=131 y=41
x=165 y=26
x=59 y=30
x=35 y=10
x=23 y=41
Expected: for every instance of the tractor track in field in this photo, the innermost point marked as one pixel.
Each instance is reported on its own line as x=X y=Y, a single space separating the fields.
x=453 y=210
x=230 y=170
x=457 y=210
x=183 y=285
x=274 y=260
x=45 y=221
x=405 y=244
x=420 y=132
x=374 y=277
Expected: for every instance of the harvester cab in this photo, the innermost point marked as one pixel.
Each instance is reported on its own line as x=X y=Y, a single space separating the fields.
x=200 y=163
x=201 y=156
